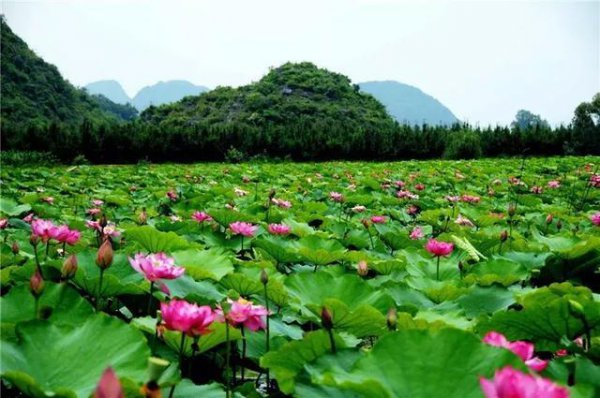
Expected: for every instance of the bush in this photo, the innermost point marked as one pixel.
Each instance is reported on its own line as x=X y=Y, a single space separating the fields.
x=463 y=145
x=29 y=158
x=234 y=155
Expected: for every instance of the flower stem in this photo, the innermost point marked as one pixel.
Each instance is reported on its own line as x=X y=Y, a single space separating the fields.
x=437 y=272
x=37 y=261
x=47 y=249
x=331 y=341
x=267 y=334
x=181 y=345
x=227 y=359
x=99 y=293
x=149 y=307
x=243 y=370
x=36 y=307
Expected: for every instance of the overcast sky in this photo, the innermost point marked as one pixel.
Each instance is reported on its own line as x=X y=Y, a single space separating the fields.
x=484 y=60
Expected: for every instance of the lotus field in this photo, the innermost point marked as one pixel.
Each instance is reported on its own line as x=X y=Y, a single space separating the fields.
x=344 y=279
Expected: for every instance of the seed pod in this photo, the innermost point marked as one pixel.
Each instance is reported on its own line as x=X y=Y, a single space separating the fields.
x=549 y=219
x=392 y=319
x=363 y=268
x=15 y=248
x=105 y=255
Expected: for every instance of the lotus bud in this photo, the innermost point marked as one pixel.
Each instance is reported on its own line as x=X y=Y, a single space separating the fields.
x=143 y=217
x=512 y=210
x=363 y=268
x=392 y=319
x=105 y=255
x=233 y=294
x=326 y=319
x=109 y=386
x=576 y=309
x=34 y=240
x=15 y=248
x=156 y=367
x=69 y=267
x=264 y=277
x=549 y=219
x=365 y=223
x=559 y=225
x=36 y=284
x=503 y=236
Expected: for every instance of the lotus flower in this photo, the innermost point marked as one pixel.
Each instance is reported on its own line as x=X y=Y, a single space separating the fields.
x=3 y=223
x=523 y=349
x=243 y=312
x=537 y=190
x=406 y=195
x=463 y=221
x=554 y=184
x=28 y=218
x=187 y=318
x=48 y=199
x=595 y=218
x=595 y=180
x=336 y=196
x=416 y=233
x=43 y=229
x=419 y=187
x=109 y=386
x=378 y=219
x=93 y=211
x=156 y=266
x=510 y=383
x=359 y=208
x=243 y=228
x=279 y=229
x=201 y=217
x=172 y=195
x=97 y=202
x=284 y=204
x=452 y=199
x=63 y=234
x=470 y=199
x=439 y=248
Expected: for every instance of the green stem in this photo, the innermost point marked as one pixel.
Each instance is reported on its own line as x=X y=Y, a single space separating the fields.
x=148 y=308
x=332 y=341
x=181 y=345
x=241 y=251
x=47 y=249
x=437 y=272
x=227 y=360
x=99 y=293
x=64 y=251
x=267 y=334
x=243 y=370
x=37 y=261
x=36 y=307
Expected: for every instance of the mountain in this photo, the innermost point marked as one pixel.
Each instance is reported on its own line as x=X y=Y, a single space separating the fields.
x=111 y=89
x=408 y=104
x=33 y=92
x=165 y=92
x=121 y=111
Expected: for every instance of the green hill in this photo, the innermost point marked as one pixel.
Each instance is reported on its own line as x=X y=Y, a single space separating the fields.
x=111 y=89
x=294 y=105
x=33 y=91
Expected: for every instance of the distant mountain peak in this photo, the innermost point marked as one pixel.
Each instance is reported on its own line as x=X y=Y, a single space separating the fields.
x=165 y=92
x=111 y=89
x=408 y=104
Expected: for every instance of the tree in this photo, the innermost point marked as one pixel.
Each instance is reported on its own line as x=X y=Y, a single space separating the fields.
x=525 y=120
x=586 y=127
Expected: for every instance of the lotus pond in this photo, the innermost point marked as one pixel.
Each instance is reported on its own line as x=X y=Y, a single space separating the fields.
x=344 y=279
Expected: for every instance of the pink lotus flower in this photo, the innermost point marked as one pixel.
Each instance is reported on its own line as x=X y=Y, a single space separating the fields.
x=419 y=187
x=93 y=211
x=279 y=229
x=406 y=195
x=243 y=228
x=201 y=217
x=48 y=199
x=595 y=218
x=43 y=229
x=470 y=199
x=187 y=318
x=463 y=221
x=3 y=223
x=452 y=199
x=111 y=230
x=537 y=189
x=378 y=219
x=595 y=180
x=63 y=234
x=172 y=195
x=554 y=184
x=284 y=204
x=109 y=386
x=91 y=224
x=439 y=248
x=28 y=218
x=359 y=209
x=97 y=202
x=240 y=192
x=245 y=313
x=523 y=349
x=336 y=196
x=510 y=383
x=399 y=183
x=416 y=233
x=156 y=266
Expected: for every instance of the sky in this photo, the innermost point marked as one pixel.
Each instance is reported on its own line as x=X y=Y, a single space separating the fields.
x=483 y=59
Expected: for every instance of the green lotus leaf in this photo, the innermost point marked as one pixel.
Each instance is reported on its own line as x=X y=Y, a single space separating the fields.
x=423 y=364
x=67 y=361
x=277 y=249
x=485 y=300
x=242 y=284
x=154 y=241
x=498 y=270
x=187 y=389
x=320 y=251
x=204 y=264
